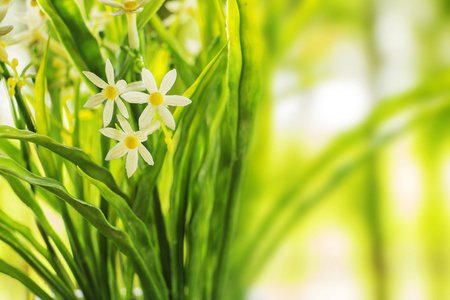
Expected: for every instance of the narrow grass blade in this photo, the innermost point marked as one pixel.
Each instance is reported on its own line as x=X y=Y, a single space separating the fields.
x=9 y=270
x=74 y=155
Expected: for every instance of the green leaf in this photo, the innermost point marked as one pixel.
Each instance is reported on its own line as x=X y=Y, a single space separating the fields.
x=52 y=279
x=90 y=212
x=245 y=83
x=149 y=11
x=9 y=270
x=74 y=155
x=80 y=44
x=41 y=88
x=25 y=194
x=25 y=232
x=139 y=235
x=179 y=53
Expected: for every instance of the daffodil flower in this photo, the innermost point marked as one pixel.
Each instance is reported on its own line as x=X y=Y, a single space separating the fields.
x=4 y=30
x=130 y=8
x=157 y=100
x=110 y=92
x=130 y=142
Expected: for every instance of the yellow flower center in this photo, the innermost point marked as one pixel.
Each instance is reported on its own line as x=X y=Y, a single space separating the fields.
x=130 y=5
x=156 y=99
x=34 y=3
x=110 y=92
x=131 y=142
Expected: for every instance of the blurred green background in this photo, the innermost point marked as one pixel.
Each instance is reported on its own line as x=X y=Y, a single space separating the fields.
x=348 y=182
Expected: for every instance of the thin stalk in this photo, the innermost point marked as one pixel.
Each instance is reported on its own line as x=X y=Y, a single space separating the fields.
x=133 y=34
x=164 y=248
x=21 y=102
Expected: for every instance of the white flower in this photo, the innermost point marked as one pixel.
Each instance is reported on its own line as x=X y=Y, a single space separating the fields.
x=129 y=6
x=130 y=142
x=157 y=100
x=110 y=92
x=4 y=30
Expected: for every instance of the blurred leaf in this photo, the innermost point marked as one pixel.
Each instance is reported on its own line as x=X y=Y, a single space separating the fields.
x=25 y=195
x=80 y=44
x=24 y=279
x=41 y=89
x=179 y=53
x=149 y=11
x=56 y=284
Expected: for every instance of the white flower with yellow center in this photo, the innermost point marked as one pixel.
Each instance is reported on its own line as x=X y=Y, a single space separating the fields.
x=127 y=7
x=157 y=100
x=4 y=30
x=130 y=8
x=130 y=142
x=110 y=92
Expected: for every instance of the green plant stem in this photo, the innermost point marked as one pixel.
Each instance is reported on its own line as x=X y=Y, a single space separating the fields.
x=21 y=103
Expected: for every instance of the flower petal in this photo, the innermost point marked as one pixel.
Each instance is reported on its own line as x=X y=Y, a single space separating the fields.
x=167 y=117
x=95 y=100
x=117 y=13
x=149 y=81
x=136 y=97
x=176 y=100
x=4 y=30
x=125 y=125
x=110 y=72
x=152 y=127
x=136 y=10
x=168 y=81
x=141 y=136
x=3 y=11
x=117 y=151
x=108 y=112
x=135 y=87
x=132 y=162
x=147 y=116
x=113 y=133
x=111 y=3
x=95 y=79
x=122 y=107
x=121 y=85
x=145 y=154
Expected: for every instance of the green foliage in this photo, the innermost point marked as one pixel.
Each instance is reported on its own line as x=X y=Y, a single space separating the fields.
x=81 y=46
x=171 y=228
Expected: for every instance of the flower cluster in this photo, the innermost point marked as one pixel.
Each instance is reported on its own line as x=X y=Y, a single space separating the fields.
x=156 y=99
x=16 y=79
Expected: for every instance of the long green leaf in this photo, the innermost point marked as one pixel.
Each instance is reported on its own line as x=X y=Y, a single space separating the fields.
x=41 y=88
x=74 y=155
x=9 y=270
x=90 y=212
x=80 y=44
x=56 y=284
x=149 y=11
x=249 y=91
x=139 y=235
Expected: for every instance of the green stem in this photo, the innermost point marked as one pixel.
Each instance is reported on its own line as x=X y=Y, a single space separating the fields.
x=21 y=103
x=133 y=35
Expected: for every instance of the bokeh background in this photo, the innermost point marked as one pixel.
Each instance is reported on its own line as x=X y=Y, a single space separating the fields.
x=348 y=185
